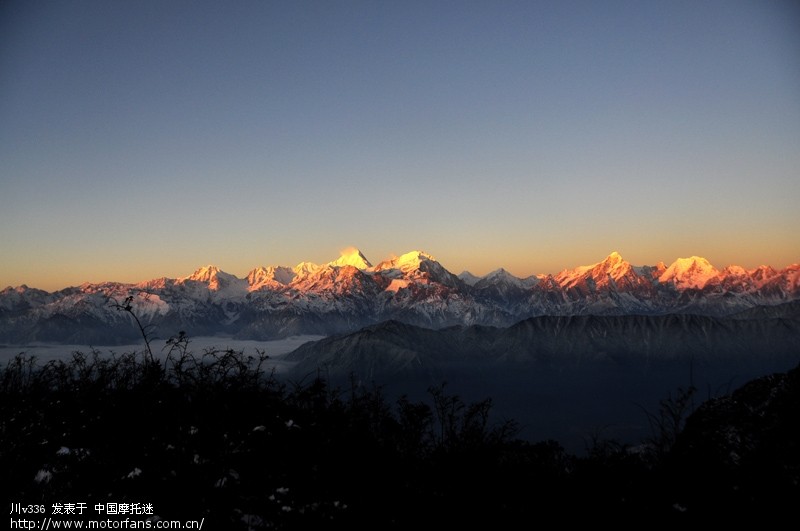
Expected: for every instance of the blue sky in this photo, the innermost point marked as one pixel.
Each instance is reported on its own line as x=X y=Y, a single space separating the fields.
x=143 y=139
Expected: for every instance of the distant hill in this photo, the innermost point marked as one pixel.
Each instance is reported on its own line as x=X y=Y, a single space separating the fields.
x=392 y=348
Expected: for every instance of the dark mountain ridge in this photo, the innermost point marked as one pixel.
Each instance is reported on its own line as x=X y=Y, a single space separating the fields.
x=393 y=347
x=562 y=377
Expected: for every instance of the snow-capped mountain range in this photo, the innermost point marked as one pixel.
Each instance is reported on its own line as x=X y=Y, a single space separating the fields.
x=349 y=293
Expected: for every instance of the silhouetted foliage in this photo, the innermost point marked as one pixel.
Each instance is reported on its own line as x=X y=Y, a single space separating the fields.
x=239 y=445
x=668 y=422
x=246 y=450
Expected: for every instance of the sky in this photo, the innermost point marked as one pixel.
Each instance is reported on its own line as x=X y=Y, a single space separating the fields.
x=145 y=139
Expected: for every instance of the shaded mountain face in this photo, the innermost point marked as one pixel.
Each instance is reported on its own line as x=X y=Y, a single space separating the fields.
x=391 y=348
x=564 y=377
x=350 y=292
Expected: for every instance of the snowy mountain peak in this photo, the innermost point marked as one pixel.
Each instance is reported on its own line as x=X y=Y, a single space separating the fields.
x=413 y=259
x=269 y=277
x=501 y=274
x=612 y=267
x=693 y=272
x=502 y=279
x=617 y=266
x=468 y=278
x=214 y=278
x=306 y=268
x=417 y=267
x=762 y=273
x=204 y=274
x=407 y=262
x=352 y=257
x=734 y=271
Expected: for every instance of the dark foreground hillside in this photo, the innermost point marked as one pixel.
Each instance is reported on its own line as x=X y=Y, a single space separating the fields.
x=218 y=439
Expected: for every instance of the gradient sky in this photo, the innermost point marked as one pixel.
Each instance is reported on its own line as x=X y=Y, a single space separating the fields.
x=145 y=139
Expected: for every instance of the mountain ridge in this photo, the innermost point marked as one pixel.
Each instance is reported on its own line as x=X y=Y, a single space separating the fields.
x=392 y=347
x=349 y=293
